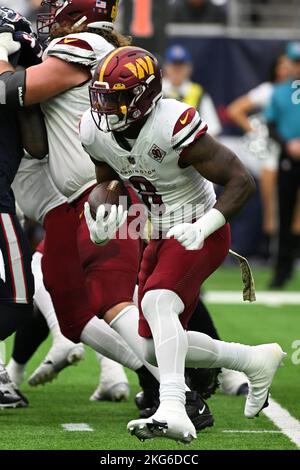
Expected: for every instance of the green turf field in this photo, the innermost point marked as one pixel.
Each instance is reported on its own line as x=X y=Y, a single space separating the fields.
x=66 y=400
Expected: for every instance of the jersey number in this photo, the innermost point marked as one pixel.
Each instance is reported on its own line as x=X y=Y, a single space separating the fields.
x=147 y=192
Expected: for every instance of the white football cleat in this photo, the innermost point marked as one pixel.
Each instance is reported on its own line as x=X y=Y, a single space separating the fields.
x=117 y=392
x=233 y=382
x=113 y=382
x=170 y=421
x=16 y=372
x=266 y=360
x=9 y=396
x=63 y=353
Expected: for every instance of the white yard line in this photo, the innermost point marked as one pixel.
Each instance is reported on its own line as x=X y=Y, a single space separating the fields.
x=250 y=431
x=262 y=297
x=282 y=419
x=77 y=427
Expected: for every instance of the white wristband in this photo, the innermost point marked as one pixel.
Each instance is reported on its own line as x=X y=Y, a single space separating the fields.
x=211 y=222
x=3 y=54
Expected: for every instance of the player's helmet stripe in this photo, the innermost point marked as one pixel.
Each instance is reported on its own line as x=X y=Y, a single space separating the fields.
x=107 y=60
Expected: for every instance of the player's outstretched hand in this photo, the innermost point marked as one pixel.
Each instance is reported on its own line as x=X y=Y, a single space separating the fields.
x=7 y=41
x=105 y=226
x=189 y=235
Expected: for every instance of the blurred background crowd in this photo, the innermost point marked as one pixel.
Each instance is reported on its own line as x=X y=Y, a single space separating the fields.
x=238 y=62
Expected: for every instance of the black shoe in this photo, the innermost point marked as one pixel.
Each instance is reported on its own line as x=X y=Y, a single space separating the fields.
x=148 y=399
x=198 y=411
x=203 y=381
x=9 y=398
x=196 y=408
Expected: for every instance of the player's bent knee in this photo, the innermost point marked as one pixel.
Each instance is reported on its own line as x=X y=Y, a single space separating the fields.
x=161 y=300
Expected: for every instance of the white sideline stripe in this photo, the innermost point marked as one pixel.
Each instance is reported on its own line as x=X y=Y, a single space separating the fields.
x=262 y=297
x=282 y=419
x=77 y=427
x=250 y=431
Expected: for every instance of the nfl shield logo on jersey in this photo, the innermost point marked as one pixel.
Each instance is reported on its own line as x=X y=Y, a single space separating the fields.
x=157 y=153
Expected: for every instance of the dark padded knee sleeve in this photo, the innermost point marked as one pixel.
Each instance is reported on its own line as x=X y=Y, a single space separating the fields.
x=29 y=337
x=12 y=317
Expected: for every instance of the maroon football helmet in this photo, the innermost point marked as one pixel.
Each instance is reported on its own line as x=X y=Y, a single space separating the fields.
x=125 y=88
x=94 y=13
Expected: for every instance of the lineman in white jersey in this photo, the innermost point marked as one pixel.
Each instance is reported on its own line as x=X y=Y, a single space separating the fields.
x=162 y=148
x=82 y=285
x=38 y=195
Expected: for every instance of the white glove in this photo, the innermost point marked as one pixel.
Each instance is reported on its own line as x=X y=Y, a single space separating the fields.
x=192 y=236
x=7 y=44
x=189 y=235
x=104 y=228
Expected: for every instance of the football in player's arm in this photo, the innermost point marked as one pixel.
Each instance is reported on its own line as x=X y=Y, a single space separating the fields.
x=213 y=161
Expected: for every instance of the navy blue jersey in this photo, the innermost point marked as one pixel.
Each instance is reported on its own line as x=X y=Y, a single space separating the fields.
x=11 y=153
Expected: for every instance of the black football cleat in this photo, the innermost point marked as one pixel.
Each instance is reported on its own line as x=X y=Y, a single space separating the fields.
x=198 y=411
x=203 y=381
x=196 y=408
x=147 y=401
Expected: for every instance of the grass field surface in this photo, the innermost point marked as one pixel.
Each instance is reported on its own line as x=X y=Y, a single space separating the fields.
x=66 y=400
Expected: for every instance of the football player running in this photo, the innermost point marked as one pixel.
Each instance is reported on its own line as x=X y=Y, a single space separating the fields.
x=82 y=34
x=162 y=149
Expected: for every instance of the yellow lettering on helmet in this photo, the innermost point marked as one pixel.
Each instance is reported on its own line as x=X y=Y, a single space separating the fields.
x=132 y=68
x=141 y=68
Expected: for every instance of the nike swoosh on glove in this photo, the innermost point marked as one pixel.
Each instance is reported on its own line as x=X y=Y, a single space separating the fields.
x=188 y=235
x=105 y=226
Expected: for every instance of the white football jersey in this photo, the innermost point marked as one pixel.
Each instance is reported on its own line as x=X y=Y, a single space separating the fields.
x=151 y=167
x=34 y=189
x=70 y=169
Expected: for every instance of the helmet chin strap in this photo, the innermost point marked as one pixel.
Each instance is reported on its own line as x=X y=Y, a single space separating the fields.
x=113 y=123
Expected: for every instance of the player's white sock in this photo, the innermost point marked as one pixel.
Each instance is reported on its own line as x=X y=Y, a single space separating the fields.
x=126 y=324
x=111 y=372
x=42 y=297
x=161 y=309
x=203 y=351
x=16 y=371
x=103 y=339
